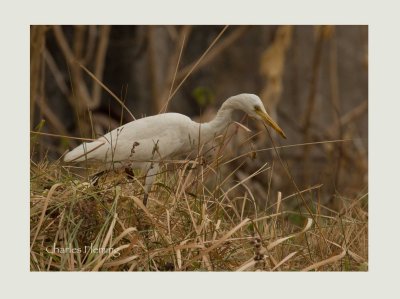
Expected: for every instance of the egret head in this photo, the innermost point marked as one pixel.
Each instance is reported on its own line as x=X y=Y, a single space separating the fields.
x=253 y=106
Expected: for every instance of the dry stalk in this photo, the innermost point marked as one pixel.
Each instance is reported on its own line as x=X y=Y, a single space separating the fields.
x=174 y=66
x=311 y=100
x=214 y=52
x=99 y=63
x=37 y=39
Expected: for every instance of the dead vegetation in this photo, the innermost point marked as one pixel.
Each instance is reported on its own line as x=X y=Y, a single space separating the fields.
x=241 y=209
x=194 y=221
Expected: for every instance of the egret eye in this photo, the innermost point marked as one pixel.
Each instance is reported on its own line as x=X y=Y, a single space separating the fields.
x=257 y=108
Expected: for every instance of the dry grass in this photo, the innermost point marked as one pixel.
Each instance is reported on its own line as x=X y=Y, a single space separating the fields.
x=202 y=215
x=197 y=219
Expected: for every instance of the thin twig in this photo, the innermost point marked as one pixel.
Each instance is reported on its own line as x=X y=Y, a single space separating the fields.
x=198 y=62
x=184 y=32
x=90 y=45
x=76 y=76
x=54 y=69
x=61 y=136
x=153 y=69
x=107 y=89
x=290 y=176
x=335 y=100
x=100 y=62
x=217 y=50
x=311 y=99
x=350 y=116
x=51 y=116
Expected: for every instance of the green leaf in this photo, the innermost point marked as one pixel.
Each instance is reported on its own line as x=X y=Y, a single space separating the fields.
x=203 y=96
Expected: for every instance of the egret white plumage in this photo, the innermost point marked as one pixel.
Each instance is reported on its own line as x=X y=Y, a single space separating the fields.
x=143 y=143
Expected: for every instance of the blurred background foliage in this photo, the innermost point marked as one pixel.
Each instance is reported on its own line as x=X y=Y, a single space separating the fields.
x=312 y=79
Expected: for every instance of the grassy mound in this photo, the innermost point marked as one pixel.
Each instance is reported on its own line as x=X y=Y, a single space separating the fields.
x=189 y=224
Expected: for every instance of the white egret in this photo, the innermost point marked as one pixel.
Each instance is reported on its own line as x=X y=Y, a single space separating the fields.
x=145 y=142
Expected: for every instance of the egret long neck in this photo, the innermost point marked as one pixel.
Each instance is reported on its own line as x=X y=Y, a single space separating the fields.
x=219 y=123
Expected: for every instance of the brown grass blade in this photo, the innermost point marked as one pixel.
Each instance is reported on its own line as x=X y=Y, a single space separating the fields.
x=330 y=260
x=198 y=62
x=248 y=264
x=62 y=136
x=219 y=242
x=288 y=257
x=107 y=89
x=279 y=241
x=121 y=262
x=48 y=197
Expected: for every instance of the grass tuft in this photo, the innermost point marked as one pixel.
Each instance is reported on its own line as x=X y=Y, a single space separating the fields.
x=193 y=222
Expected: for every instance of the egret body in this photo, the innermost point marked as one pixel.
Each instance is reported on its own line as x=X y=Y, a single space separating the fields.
x=144 y=142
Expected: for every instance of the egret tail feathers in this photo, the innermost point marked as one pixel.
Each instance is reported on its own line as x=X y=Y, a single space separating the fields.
x=83 y=152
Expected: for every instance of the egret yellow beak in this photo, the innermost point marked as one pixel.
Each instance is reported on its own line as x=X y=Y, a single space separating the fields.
x=269 y=121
